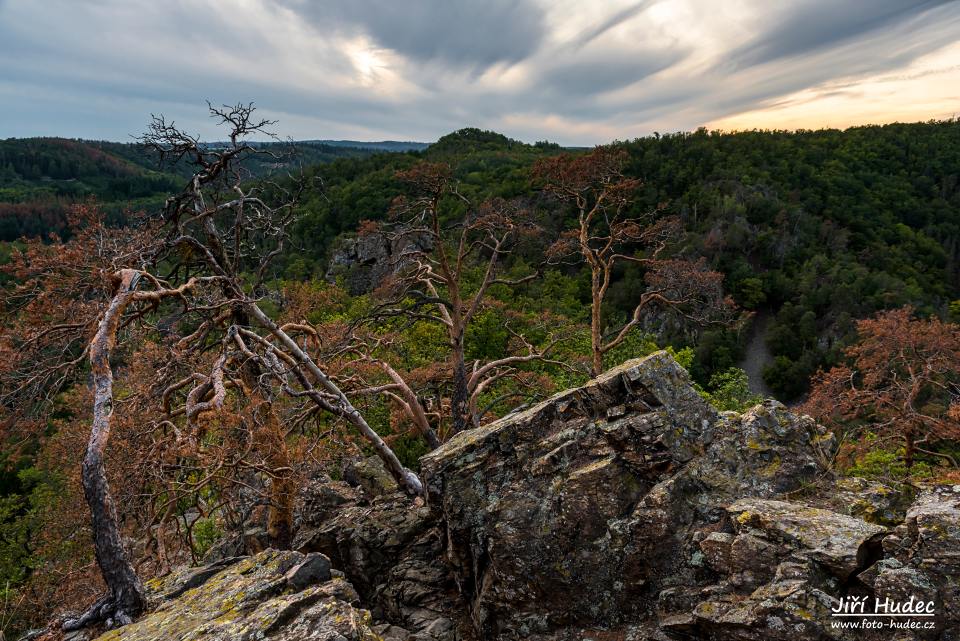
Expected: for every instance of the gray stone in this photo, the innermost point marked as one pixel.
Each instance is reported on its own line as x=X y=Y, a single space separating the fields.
x=252 y=599
x=314 y=568
x=837 y=541
x=626 y=509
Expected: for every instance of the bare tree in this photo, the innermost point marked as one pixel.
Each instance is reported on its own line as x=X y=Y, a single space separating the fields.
x=198 y=276
x=448 y=263
x=231 y=231
x=607 y=235
x=50 y=317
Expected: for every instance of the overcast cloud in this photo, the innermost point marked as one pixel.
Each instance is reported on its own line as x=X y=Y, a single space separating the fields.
x=575 y=72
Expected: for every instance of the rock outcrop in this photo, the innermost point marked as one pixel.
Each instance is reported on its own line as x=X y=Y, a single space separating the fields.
x=627 y=509
x=363 y=262
x=276 y=596
x=393 y=553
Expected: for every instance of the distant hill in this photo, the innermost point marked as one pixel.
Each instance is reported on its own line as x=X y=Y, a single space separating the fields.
x=383 y=145
x=812 y=229
x=41 y=178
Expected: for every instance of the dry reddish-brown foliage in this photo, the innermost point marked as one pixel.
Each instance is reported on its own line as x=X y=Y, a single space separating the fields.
x=901 y=382
x=212 y=402
x=606 y=234
x=443 y=275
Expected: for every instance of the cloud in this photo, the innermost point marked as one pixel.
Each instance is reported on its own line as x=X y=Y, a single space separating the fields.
x=566 y=70
x=611 y=22
x=599 y=72
x=457 y=32
x=813 y=25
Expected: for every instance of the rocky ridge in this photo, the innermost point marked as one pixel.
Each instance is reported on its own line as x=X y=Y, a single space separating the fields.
x=627 y=509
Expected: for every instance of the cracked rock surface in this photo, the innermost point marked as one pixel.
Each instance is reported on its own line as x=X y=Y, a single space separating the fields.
x=624 y=510
x=265 y=596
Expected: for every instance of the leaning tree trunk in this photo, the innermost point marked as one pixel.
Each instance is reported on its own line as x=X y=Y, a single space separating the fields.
x=125 y=598
x=405 y=478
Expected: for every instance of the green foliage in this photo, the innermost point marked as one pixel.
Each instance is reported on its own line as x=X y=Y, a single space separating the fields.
x=749 y=293
x=635 y=345
x=41 y=178
x=205 y=534
x=729 y=390
x=32 y=498
x=684 y=356
x=409 y=448
x=487 y=336
x=883 y=464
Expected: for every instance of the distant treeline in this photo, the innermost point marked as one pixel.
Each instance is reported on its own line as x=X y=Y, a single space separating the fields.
x=41 y=178
x=816 y=228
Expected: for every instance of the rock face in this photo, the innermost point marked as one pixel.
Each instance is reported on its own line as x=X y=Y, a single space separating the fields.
x=624 y=510
x=365 y=261
x=629 y=509
x=554 y=516
x=393 y=553
x=839 y=543
x=280 y=596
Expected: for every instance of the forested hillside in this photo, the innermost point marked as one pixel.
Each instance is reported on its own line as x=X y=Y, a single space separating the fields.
x=41 y=178
x=260 y=326
x=818 y=228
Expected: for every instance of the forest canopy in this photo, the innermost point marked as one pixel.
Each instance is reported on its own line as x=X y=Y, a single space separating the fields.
x=236 y=320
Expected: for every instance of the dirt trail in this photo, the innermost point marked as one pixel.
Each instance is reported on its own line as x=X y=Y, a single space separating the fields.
x=757 y=356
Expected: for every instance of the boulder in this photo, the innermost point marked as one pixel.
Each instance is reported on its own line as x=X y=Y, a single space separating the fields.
x=840 y=543
x=539 y=506
x=314 y=568
x=871 y=501
x=578 y=513
x=392 y=550
x=626 y=509
x=251 y=598
x=924 y=559
x=372 y=476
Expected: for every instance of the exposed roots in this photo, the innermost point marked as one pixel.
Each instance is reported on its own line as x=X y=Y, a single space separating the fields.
x=106 y=610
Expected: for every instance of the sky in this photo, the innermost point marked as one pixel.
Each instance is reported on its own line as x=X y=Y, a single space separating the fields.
x=575 y=72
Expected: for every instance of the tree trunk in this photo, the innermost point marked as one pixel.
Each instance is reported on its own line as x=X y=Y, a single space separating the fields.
x=909 y=448
x=404 y=477
x=126 y=594
x=596 y=335
x=460 y=398
x=282 y=490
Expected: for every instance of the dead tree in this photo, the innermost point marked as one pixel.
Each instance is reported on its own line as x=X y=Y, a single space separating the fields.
x=606 y=235
x=125 y=598
x=230 y=231
x=438 y=257
x=55 y=326
x=215 y=245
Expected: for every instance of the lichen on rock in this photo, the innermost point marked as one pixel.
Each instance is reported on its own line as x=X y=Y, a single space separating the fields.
x=257 y=597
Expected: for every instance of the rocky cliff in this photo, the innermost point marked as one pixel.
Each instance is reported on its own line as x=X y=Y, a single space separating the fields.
x=362 y=263
x=627 y=509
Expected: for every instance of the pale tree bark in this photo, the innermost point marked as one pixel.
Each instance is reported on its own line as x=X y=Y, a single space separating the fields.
x=341 y=404
x=125 y=591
